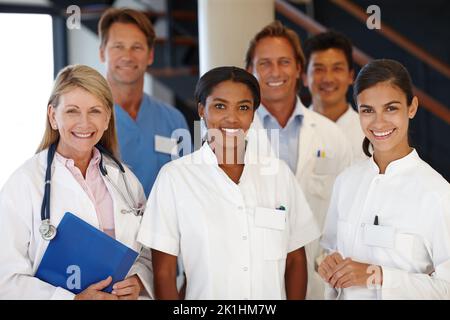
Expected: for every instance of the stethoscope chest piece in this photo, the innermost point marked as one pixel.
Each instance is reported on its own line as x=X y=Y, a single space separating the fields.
x=47 y=230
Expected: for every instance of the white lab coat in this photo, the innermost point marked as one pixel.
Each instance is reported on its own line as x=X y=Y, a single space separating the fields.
x=351 y=127
x=20 y=218
x=233 y=240
x=316 y=175
x=412 y=241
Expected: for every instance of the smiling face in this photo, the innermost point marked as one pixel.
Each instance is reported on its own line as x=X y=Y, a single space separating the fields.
x=328 y=77
x=276 y=68
x=81 y=120
x=126 y=54
x=384 y=117
x=228 y=113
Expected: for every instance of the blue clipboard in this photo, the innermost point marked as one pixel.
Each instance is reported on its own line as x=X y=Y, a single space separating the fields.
x=81 y=255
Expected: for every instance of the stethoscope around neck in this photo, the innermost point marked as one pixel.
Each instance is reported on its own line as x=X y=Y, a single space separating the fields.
x=46 y=229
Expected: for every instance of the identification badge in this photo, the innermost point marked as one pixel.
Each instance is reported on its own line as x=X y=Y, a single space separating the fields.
x=270 y=218
x=379 y=236
x=166 y=145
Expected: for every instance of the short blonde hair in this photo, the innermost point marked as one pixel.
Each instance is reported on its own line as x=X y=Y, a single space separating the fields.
x=87 y=78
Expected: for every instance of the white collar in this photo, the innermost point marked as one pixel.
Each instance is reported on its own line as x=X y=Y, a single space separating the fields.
x=408 y=161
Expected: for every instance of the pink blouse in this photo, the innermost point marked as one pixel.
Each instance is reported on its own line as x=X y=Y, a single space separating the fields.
x=96 y=189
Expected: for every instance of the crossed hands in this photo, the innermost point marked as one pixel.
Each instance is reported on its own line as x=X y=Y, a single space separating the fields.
x=127 y=289
x=345 y=273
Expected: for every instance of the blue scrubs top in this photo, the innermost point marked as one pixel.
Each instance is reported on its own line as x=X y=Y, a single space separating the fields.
x=137 y=138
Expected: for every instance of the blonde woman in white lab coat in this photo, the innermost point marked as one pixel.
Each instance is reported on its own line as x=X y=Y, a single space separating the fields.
x=80 y=116
x=239 y=226
x=388 y=226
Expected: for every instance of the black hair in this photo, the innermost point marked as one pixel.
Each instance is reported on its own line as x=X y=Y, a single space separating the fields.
x=217 y=75
x=382 y=70
x=329 y=40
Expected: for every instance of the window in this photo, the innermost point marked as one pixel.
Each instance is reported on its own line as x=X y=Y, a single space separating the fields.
x=26 y=78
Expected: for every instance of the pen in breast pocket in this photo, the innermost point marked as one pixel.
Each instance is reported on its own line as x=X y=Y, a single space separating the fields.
x=320 y=154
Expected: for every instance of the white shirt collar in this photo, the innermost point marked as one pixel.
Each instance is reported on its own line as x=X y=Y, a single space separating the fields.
x=408 y=161
x=263 y=113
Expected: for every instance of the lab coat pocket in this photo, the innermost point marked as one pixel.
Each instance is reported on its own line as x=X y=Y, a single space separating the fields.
x=273 y=224
x=379 y=236
x=326 y=165
x=270 y=218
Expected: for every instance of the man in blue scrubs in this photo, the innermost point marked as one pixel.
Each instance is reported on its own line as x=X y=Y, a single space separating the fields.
x=145 y=127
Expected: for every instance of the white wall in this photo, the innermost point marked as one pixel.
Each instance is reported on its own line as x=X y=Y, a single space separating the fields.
x=83 y=48
x=226 y=27
x=26 y=76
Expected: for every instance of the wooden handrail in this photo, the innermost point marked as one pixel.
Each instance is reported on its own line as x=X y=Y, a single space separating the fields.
x=361 y=58
x=298 y=17
x=397 y=38
x=432 y=105
x=179 y=40
x=168 y=72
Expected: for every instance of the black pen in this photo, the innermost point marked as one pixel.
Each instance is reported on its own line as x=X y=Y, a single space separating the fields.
x=375 y=222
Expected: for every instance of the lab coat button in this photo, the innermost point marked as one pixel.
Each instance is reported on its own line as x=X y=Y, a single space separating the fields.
x=240 y=208
x=245 y=269
x=244 y=237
